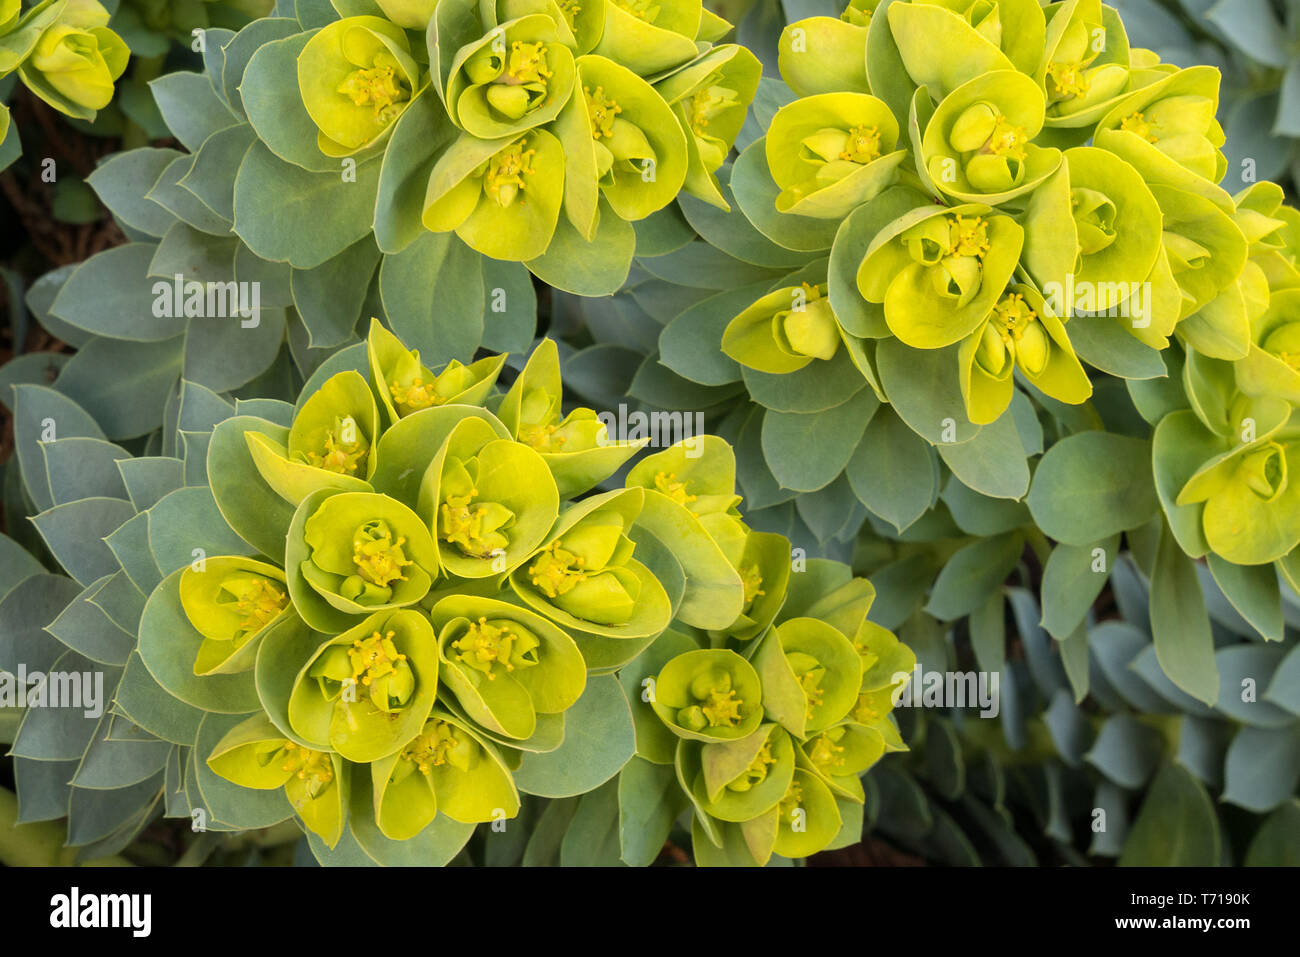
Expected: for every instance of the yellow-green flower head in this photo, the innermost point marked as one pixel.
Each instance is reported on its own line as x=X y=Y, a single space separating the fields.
x=649 y=36
x=255 y=754
x=1085 y=65
x=506 y=665
x=367 y=692
x=709 y=695
x=1169 y=124
x=1093 y=237
x=1250 y=496
x=807 y=816
x=329 y=444
x=1021 y=332
x=811 y=675
x=944 y=44
x=356 y=77
x=405 y=385
x=940 y=272
x=784 y=331
x=698 y=477
x=76 y=59
x=711 y=98
x=977 y=146
x=447 y=769
x=846 y=750
x=622 y=142
x=576 y=447
x=501 y=200
x=586 y=578
x=355 y=553
x=490 y=501
x=1272 y=366
x=764 y=568
x=518 y=76
x=739 y=780
x=230 y=602
x=832 y=152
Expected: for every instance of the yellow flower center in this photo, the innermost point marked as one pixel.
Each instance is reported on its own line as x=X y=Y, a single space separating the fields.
x=1006 y=139
x=862 y=145
x=474 y=528
x=667 y=483
x=256 y=599
x=570 y=9
x=377 y=86
x=1068 y=79
x=314 y=767
x=374 y=657
x=707 y=104
x=865 y=711
x=826 y=754
x=504 y=179
x=527 y=64
x=557 y=570
x=756 y=773
x=1135 y=123
x=379 y=559
x=441 y=744
x=968 y=236
x=343 y=450
x=722 y=708
x=753 y=583
x=415 y=396
x=488 y=646
x=792 y=801
x=602 y=111
x=542 y=438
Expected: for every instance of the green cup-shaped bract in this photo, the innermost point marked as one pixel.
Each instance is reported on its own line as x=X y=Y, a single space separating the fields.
x=506 y=664
x=447 y=769
x=832 y=152
x=76 y=60
x=709 y=695
x=576 y=447
x=1085 y=64
x=1250 y=492
x=1170 y=123
x=1021 y=333
x=939 y=272
x=784 y=331
x=698 y=475
x=490 y=501
x=356 y=77
x=811 y=675
x=501 y=197
x=649 y=36
x=740 y=780
x=977 y=146
x=369 y=691
x=1273 y=365
x=516 y=77
x=764 y=569
x=330 y=442
x=1093 y=227
x=255 y=754
x=231 y=602
x=408 y=14
x=404 y=385
x=826 y=54
x=710 y=97
x=585 y=576
x=807 y=817
x=357 y=553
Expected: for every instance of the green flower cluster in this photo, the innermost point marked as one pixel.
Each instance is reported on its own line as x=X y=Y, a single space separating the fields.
x=550 y=118
x=64 y=52
x=429 y=619
x=994 y=171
